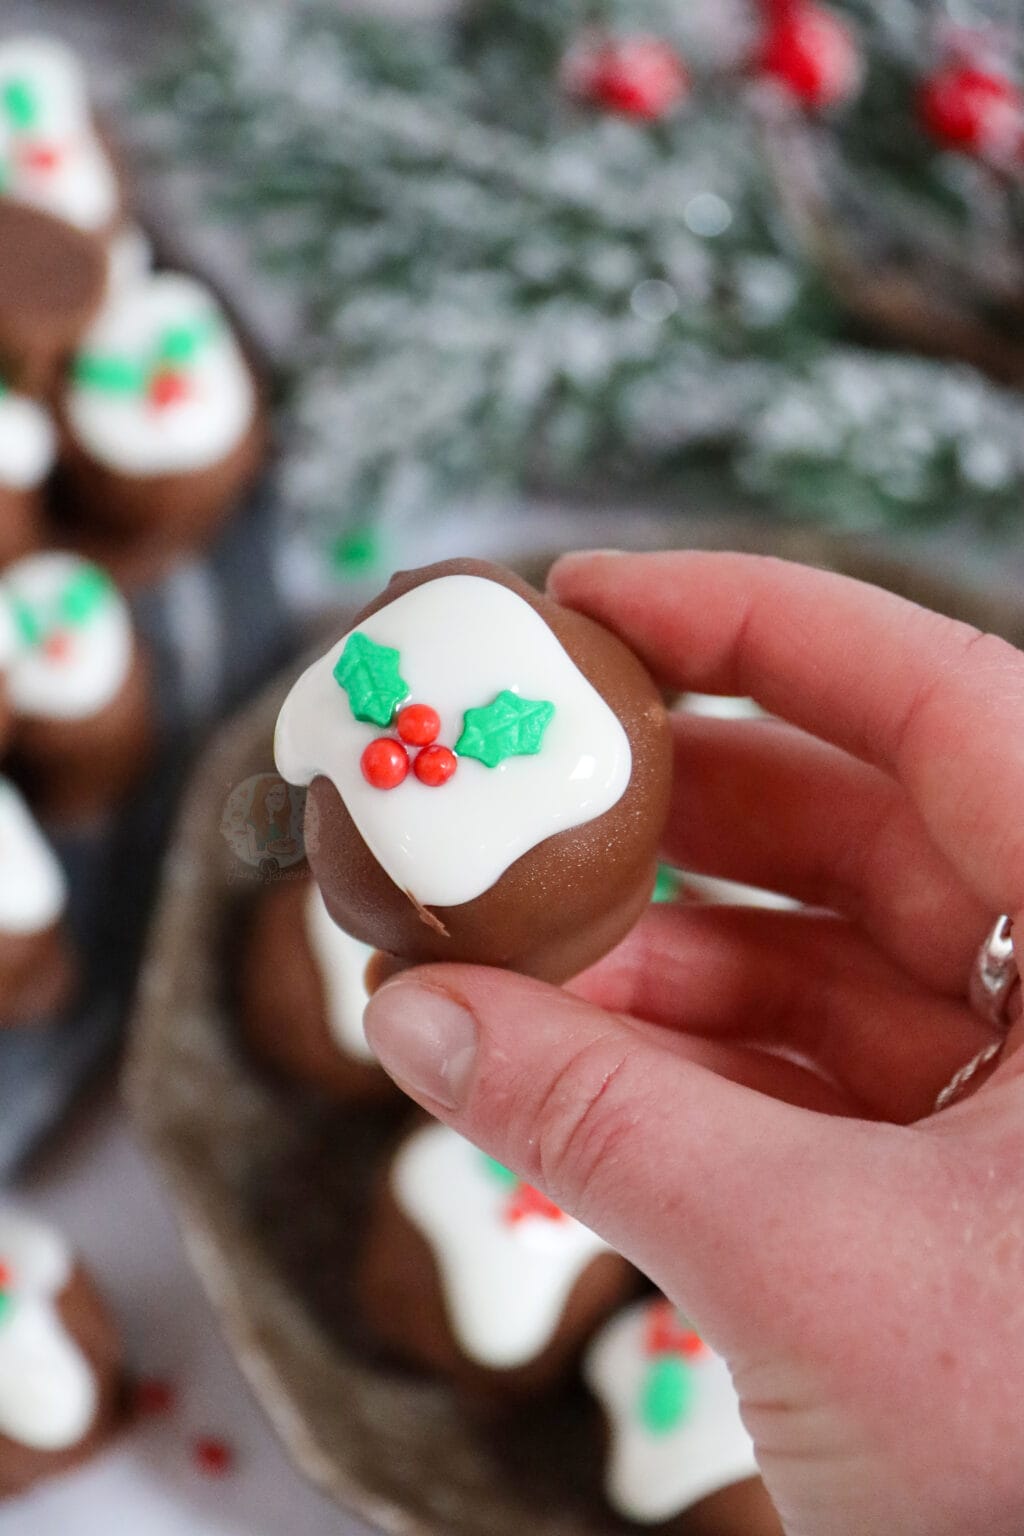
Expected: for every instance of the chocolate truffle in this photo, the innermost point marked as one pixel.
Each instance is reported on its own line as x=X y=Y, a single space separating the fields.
x=471 y=1273
x=488 y=775
x=678 y=1457
x=301 y=992
x=77 y=682
x=161 y=417
x=52 y=279
x=36 y=970
x=51 y=153
x=60 y=1359
x=28 y=444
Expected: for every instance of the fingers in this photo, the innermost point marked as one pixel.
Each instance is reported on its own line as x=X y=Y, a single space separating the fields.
x=766 y=804
x=931 y=700
x=709 y=1187
x=807 y=982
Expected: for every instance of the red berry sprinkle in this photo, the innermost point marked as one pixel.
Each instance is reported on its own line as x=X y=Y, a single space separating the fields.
x=434 y=766
x=385 y=763
x=212 y=1456
x=153 y=1397
x=418 y=724
x=167 y=388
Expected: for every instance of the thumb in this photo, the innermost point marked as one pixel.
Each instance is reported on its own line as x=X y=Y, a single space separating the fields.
x=719 y=1193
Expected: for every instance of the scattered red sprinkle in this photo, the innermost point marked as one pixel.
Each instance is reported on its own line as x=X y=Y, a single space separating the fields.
x=385 y=763
x=58 y=645
x=213 y=1456
x=434 y=766
x=418 y=724
x=167 y=388
x=153 y=1396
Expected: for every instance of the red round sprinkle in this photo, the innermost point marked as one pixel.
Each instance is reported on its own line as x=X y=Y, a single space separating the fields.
x=57 y=646
x=5 y=1277
x=434 y=766
x=153 y=1396
x=167 y=388
x=418 y=724
x=213 y=1456
x=385 y=763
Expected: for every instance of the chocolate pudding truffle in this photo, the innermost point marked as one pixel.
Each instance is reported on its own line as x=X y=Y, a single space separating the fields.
x=36 y=971
x=60 y=1359
x=679 y=1460
x=51 y=155
x=52 y=280
x=77 y=683
x=28 y=445
x=473 y=1274
x=301 y=992
x=488 y=775
x=161 y=415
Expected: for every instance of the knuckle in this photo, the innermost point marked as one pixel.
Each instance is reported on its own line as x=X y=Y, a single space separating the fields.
x=585 y=1115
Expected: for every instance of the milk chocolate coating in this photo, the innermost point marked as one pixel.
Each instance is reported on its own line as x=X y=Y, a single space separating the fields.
x=742 y=1509
x=75 y=770
x=37 y=975
x=403 y=1302
x=567 y=901
x=170 y=511
x=52 y=281
x=86 y=1318
x=280 y=1002
x=21 y=523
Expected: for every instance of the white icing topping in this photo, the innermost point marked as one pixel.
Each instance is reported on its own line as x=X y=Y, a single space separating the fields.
x=28 y=442
x=506 y=1283
x=56 y=162
x=341 y=963
x=33 y=889
x=462 y=641
x=652 y=1476
x=74 y=669
x=48 y=1390
x=127 y=429
x=129 y=258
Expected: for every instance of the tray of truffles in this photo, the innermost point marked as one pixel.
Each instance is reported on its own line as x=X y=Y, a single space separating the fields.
x=464 y=771
x=132 y=435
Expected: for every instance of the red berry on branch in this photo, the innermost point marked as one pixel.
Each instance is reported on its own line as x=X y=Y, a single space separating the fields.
x=811 y=54
x=385 y=763
x=975 y=110
x=637 y=76
x=434 y=766
x=418 y=724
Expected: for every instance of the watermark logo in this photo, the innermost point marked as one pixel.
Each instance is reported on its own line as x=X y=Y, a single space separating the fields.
x=262 y=825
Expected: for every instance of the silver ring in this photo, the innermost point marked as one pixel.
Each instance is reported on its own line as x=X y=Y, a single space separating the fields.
x=993 y=978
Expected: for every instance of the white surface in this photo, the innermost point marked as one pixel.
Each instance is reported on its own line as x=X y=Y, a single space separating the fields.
x=506 y=1283
x=342 y=962
x=33 y=889
x=28 y=442
x=97 y=1187
x=462 y=640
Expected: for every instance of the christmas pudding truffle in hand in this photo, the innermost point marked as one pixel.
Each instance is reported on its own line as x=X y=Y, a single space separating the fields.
x=161 y=415
x=36 y=970
x=27 y=454
x=301 y=991
x=60 y=1358
x=77 y=683
x=677 y=1455
x=469 y=1272
x=488 y=775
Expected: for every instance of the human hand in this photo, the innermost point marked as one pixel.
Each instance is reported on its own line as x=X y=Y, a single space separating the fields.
x=857 y=1260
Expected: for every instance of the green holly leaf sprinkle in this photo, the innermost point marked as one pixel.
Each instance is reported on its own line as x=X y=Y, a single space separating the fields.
x=666 y=886
x=499 y=1172
x=180 y=343
x=113 y=375
x=667 y=1395
x=83 y=595
x=508 y=727
x=369 y=674
x=21 y=104
x=6 y=1304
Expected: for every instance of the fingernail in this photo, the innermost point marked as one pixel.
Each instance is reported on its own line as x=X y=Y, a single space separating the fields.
x=424 y=1038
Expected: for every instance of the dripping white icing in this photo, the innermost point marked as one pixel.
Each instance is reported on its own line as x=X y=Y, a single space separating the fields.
x=462 y=640
x=653 y=1476
x=33 y=889
x=28 y=442
x=506 y=1283
x=341 y=963
x=48 y=1390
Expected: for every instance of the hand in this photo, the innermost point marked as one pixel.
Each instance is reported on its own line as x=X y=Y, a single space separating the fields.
x=858 y=1261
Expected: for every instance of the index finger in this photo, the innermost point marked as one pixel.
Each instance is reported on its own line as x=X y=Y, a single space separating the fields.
x=935 y=702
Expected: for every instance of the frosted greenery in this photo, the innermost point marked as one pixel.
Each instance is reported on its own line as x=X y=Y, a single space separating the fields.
x=503 y=286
